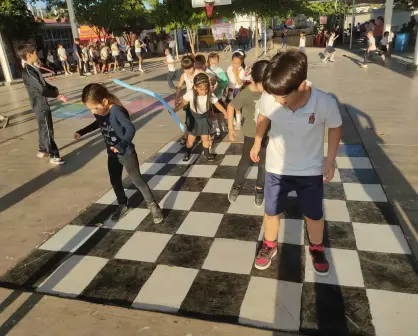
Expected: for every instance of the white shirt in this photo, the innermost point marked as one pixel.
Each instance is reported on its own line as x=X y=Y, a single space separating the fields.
x=331 y=41
x=296 y=145
x=189 y=81
x=138 y=44
x=232 y=80
x=172 y=44
x=62 y=54
x=384 y=41
x=201 y=102
x=302 y=42
x=129 y=55
x=50 y=58
x=115 y=50
x=372 y=43
x=170 y=63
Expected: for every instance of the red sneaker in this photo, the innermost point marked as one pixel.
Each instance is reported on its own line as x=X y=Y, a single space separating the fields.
x=319 y=259
x=264 y=256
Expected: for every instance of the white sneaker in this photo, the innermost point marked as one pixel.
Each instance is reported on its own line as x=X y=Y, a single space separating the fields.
x=67 y=74
x=140 y=69
x=332 y=60
x=363 y=66
x=57 y=161
x=42 y=155
x=88 y=74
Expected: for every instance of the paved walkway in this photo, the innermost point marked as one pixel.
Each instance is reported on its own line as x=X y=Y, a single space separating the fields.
x=208 y=258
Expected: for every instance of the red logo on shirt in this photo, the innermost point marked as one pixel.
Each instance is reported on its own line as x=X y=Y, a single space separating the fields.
x=312 y=118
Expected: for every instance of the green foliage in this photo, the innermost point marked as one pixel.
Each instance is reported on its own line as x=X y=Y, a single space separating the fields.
x=316 y=9
x=16 y=20
x=407 y=5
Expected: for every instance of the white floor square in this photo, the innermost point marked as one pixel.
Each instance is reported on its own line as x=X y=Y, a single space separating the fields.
x=335 y=210
x=222 y=147
x=353 y=163
x=218 y=186
x=204 y=171
x=162 y=182
x=73 y=276
x=344 y=268
x=272 y=304
x=179 y=200
x=251 y=173
x=231 y=160
x=364 y=192
x=230 y=255
x=337 y=176
x=291 y=232
x=110 y=197
x=178 y=159
x=171 y=147
x=200 y=224
x=393 y=313
x=245 y=206
x=388 y=238
x=143 y=246
x=69 y=238
x=151 y=168
x=160 y=294
x=130 y=222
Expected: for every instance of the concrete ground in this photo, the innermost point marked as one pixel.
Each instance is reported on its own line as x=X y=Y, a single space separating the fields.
x=37 y=199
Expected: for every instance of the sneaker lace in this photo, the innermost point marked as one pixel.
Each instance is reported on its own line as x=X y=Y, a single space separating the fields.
x=318 y=253
x=265 y=250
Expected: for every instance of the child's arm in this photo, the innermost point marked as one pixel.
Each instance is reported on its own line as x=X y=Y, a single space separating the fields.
x=230 y=119
x=88 y=129
x=182 y=105
x=262 y=125
x=220 y=108
x=178 y=89
x=237 y=76
x=126 y=132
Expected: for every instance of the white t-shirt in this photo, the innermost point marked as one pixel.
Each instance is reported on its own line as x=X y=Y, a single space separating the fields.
x=296 y=145
x=372 y=43
x=302 y=42
x=138 y=47
x=231 y=77
x=189 y=81
x=115 y=50
x=201 y=102
x=170 y=63
x=129 y=54
x=104 y=53
x=384 y=41
x=62 y=54
x=331 y=41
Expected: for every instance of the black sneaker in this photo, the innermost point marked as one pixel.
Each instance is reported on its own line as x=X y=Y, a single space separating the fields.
x=210 y=157
x=156 y=212
x=120 y=212
x=319 y=259
x=259 y=197
x=234 y=193
x=186 y=156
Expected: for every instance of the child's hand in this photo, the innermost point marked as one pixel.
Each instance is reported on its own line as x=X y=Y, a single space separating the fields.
x=114 y=150
x=329 y=171
x=77 y=136
x=62 y=98
x=232 y=135
x=254 y=153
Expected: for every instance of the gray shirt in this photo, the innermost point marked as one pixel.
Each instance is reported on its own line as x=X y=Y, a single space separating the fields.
x=246 y=101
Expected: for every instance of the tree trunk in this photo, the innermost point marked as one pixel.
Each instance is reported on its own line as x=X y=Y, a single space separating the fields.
x=257 y=37
x=192 y=38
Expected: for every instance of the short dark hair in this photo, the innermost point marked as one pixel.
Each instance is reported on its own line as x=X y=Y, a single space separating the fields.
x=169 y=49
x=285 y=73
x=77 y=39
x=386 y=33
x=201 y=59
x=24 y=50
x=258 y=69
x=187 y=62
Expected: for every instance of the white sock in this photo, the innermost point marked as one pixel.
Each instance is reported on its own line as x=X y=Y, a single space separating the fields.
x=238 y=118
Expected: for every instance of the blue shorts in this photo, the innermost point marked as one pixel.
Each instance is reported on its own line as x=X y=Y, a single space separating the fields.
x=309 y=190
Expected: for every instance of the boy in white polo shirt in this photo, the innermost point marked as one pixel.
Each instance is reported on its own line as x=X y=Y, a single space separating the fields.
x=298 y=114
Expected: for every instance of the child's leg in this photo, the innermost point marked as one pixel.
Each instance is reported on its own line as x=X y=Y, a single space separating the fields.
x=244 y=162
x=115 y=169
x=261 y=174
x=332 y=57
x=170 y=77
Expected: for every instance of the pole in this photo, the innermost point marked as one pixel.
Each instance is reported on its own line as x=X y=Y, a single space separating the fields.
x=388 y=18
x=177 y=43
x=345 y=4
x=197 y=39
x=353 y=19
x=74 y=27
x=265 y=37
x=5 y=62
x=416 y=52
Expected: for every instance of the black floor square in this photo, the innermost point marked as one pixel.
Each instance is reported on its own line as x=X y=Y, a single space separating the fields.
x=173 y=170
x=190 y=184
x=34 y=269
x=185 y=251
x=248 y=187
x=371 y=212
x=94 y=215
x=241 y=227
x=337 y=235
x=216 y=295
x=104 y=243
x=209 y=202
x=171 y=223
x=217 y=161
x=119 y=282
x=389 y=271
x=225 y=172
x=334 y=191
x=137 y=200
x=287 y=265
x=335 y=310
x=161 y=158
x=235 y=149
x=364 y=176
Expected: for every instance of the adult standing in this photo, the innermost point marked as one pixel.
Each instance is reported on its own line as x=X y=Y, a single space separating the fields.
x=271 y=38
x=378 y=30
x=243 y=37
x=139 y=44
x=78 y=56
x=250 y=37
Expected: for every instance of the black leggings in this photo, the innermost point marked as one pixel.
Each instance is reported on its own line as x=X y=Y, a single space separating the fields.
x=245 y=163
x=115 y=165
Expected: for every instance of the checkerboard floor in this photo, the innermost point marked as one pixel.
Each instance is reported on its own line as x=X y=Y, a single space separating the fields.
x=199 y=261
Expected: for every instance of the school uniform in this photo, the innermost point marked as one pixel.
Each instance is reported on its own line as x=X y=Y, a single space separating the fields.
x=171 y=71
x=295 y=153
x=233 y=86
x=39 y=90
x=199 y=122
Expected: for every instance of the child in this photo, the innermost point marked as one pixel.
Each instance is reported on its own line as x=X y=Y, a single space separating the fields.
x=201 y=100
x=115 y=56
x=62 y=54
x=330 y=50
x=302 y=42
x=298 y=115
x=236 y=76
x=50 y=61
x=104 y=56
x=384 y=43
x=169 y=60
x=200 y=61
x=39 y=91
x=246 y=101
x=130 y=58
x=138 y=51
x=118 y=132
x=371 y=49
x=86 y=60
